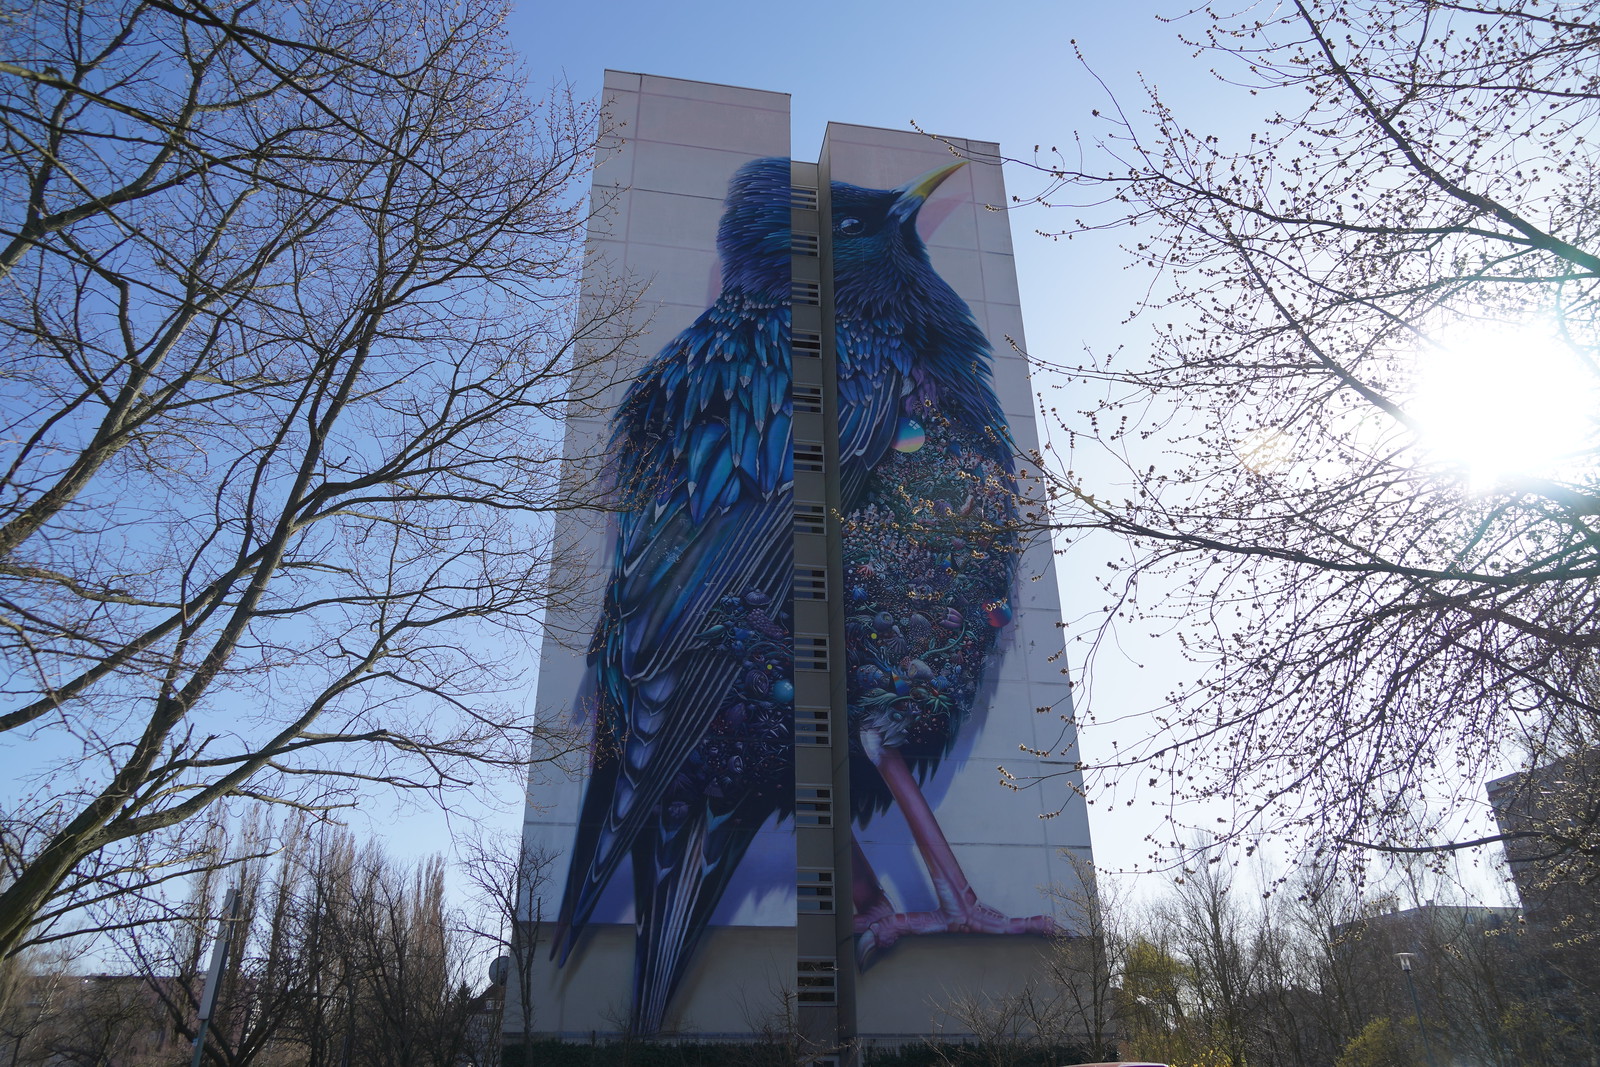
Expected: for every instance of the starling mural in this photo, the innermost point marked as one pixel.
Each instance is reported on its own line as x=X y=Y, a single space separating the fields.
x=930 y=545
x=810 y=628
x=692 y=657
x=690 y=666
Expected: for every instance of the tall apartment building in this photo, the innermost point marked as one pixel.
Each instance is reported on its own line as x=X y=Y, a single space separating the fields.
x=1547 y=814
x=818 y=647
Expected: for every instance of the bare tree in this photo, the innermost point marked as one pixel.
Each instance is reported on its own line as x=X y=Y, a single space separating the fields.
x=270 y=974
x=33 y=989
x=1207 y=974
x=412 y=999
x=340 y=954
x=1000 y=1026
x=1157 y=1005
x=508 y=880
x=1082 y=968
x=1368 y=625
x=1205 y=918
x=291 y=329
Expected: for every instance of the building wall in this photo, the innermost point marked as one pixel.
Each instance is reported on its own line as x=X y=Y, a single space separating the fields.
x=659 y=192
x=678 y=143
x=1546 y=813
x=1000 y=836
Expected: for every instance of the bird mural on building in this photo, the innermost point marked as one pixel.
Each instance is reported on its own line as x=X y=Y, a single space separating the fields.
x=690 y=666
x=929 y=528
x=691 y=660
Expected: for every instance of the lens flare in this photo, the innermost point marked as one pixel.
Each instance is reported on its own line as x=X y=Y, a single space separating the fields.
x=1505 y=403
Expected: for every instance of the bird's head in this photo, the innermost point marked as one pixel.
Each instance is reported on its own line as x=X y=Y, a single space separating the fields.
x=876 y=249
x=753 y=240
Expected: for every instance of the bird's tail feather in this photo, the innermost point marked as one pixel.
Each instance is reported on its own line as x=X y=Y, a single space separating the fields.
x=679 y=877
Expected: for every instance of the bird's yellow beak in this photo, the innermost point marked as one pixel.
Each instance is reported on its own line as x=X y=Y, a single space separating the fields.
x=923 y=187
x=914 y=193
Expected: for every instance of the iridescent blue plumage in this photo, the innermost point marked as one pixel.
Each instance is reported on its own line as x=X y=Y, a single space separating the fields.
x=691 y=660
x=929 y=507
x=927 y=483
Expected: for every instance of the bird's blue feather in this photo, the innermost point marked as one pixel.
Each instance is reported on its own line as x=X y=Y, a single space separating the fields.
x=927 y=490
x=703 y=546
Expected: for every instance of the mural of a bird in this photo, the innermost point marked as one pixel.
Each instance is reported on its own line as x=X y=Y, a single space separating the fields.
x=690 y=666
x=929 y=502
x=691 y=662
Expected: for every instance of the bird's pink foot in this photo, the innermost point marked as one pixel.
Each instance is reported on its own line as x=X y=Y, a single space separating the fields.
x=870 y=912
x=881 y=927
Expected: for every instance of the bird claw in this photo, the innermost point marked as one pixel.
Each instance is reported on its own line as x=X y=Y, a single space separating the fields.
x=868 y=950
x=880 y=929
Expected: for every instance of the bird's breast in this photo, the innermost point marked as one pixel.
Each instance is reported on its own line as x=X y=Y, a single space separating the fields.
x=929 y=566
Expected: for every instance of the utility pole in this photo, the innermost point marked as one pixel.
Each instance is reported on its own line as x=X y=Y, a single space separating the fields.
x=1405 y=959
x=219 y=957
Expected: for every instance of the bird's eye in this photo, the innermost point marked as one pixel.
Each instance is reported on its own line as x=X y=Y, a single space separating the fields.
x=849 y=226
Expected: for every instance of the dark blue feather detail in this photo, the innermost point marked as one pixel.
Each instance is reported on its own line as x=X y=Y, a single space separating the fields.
x=692 y=733
x=929 y=534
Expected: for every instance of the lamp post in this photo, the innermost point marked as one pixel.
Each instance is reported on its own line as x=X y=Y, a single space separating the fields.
x=219 y=958
x=1405 y=959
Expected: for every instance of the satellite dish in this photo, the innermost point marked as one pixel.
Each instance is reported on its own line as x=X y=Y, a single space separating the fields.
x=500 y=970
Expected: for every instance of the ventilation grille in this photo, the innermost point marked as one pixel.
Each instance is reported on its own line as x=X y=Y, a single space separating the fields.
x=802 y=291
x=814 y=892
x=807 y=345
x=810 y=583
x=811 y=726
x=808 y=457
x=817 y=981
x=802 y=198
x=813 y=805
x=805 y=244
x=810 y=518
x=810 y=652
x=808 y=398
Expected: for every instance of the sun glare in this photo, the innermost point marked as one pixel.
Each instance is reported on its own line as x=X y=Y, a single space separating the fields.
x=1502 y=403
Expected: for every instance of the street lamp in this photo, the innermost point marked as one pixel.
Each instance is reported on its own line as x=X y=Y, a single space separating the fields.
x=219 y=958
x=1405 y=959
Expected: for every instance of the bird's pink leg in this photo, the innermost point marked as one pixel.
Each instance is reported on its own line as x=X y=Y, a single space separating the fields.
x=960 y=911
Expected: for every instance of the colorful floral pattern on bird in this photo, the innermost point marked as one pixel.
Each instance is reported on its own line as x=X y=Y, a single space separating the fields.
x=747 y=746
x=928 y=563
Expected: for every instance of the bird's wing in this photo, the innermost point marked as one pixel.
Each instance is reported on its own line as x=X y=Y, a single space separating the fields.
x=704 y=450
x=874 y=368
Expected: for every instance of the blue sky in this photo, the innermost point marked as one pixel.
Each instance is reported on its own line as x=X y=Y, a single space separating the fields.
x=1007 y=73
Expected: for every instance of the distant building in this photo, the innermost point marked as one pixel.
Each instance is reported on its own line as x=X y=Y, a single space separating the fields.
x=1550 y=816
x=1426 y=928
x=109 y=1020
x=816 y=627
x=1551 y=819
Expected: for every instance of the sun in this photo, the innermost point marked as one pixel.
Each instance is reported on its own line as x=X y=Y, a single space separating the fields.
x=1503 y=404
